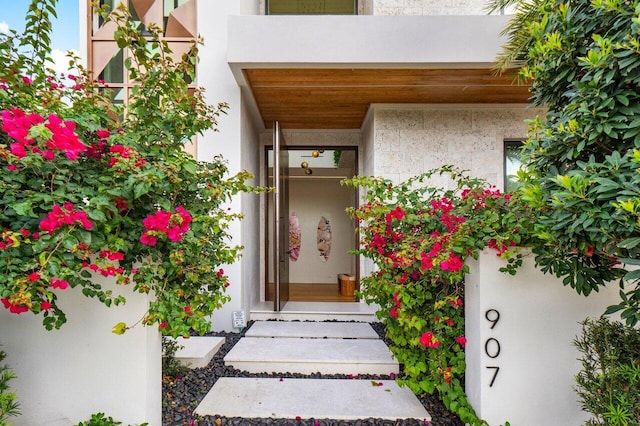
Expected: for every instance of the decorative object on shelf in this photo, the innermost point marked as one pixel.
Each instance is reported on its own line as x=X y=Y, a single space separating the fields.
x=295 y=237
x=324 y=238
x=308 y=171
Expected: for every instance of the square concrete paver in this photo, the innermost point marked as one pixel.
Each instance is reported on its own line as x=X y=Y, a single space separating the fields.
x=197 y=351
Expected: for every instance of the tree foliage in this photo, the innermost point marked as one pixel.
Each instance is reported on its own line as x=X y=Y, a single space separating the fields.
x=582 y=159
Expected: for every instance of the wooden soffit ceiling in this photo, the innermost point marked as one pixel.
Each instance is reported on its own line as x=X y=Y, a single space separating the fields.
x=339 y=98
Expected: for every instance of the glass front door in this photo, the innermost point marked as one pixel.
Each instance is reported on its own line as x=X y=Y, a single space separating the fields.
x=310 y=236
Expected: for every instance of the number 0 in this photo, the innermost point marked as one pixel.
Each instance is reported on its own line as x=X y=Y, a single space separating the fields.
x=496 y=351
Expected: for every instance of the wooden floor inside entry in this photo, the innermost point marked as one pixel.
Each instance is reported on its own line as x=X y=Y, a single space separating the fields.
x=314 y=293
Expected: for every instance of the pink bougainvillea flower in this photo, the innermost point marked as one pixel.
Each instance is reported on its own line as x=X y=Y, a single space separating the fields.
x=121 y=204
x=452 y=264
x=425 y=261
x=428 y=340
x=111 y=255
x=33 y=277
x=61 y=216
x=102 y=134
x=12 y=167
x=58 y=283
x=12 y=307
x=396 y=213
x=461 y=340
x=26 y=80
x=148 y=239
x=45 y=306
x=163 y=324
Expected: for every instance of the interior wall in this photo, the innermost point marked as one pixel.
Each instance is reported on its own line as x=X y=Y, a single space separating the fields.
x=311 y=199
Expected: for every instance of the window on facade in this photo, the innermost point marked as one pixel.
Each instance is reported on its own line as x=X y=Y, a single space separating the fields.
x=114 y=71
x=136 y=19
x=512 y=163
x=170 y=6
x=312 y=7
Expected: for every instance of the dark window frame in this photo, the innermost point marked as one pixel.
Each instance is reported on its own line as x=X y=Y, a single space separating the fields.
x=355 y=6
x=508 y=145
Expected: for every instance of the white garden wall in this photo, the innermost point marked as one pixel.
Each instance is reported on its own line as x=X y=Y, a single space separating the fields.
x=521 y=367
x=66 y=375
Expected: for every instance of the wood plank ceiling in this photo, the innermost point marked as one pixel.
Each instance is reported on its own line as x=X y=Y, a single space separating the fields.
x=339 y=98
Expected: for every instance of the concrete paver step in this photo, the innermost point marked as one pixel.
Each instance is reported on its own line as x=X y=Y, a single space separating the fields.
x=338 y=330
x=308 y=356
x=340 y=399
x=197 y=351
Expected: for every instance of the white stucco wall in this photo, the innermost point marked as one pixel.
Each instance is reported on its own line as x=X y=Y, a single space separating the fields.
x=215 y=75
x=66 y=375
x=429 y=7
x=409 y=140
x=538 y=321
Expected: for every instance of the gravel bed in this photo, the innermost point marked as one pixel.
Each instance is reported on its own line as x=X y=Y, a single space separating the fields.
x=182 y=395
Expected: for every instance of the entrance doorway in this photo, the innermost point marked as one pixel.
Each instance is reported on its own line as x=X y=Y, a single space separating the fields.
x=315 y=234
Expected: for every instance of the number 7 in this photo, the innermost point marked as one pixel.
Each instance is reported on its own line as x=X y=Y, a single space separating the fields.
x=495 y=374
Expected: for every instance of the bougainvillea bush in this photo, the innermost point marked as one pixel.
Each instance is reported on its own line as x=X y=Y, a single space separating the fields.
x=88 y=190
x=419 y=237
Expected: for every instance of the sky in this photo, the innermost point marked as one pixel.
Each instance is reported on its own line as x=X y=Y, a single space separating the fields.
x=66 y=33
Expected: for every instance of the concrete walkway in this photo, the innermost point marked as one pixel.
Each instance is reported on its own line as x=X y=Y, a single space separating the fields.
x=303 y=347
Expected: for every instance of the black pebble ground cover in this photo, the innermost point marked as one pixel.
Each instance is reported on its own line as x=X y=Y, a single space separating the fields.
x=181 y=395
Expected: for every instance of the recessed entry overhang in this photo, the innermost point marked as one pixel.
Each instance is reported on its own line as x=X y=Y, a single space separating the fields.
x=323 y=72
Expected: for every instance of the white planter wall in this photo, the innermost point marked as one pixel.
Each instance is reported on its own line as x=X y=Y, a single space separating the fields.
x=539 y=319
x=66 y=375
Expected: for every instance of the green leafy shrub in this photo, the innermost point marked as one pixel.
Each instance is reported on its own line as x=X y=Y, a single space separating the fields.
x=419 y=237
x=581 y=159
x=87 y=190
x=9 y=406
x=609 y=382
x=171 y=367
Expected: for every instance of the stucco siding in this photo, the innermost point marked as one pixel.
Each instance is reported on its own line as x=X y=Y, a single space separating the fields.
x=410 y=140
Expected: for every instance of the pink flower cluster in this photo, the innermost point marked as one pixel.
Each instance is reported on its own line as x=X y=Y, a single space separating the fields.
x=127 y=155
x=173 y=225
x=396 y=213
x=20 y=306
x=428 y=340
x=14 y=308
x=16 y=123
x=65 y=215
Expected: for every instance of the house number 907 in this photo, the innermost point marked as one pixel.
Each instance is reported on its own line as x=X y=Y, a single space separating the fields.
x=492 y=345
